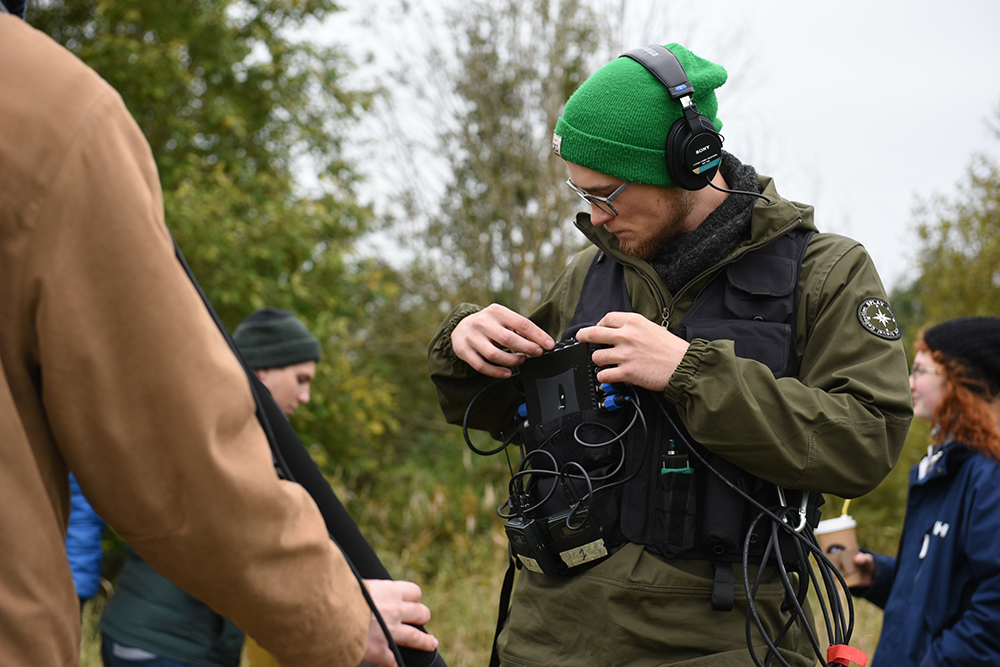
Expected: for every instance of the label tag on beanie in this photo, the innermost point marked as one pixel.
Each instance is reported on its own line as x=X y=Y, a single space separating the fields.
x=876 y=316
x=557 y=144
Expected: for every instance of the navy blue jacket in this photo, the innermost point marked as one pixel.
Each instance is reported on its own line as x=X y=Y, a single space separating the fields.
x=942 y=594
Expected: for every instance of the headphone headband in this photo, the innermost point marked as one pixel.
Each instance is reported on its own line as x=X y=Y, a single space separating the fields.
x=664 y=66
x=693 y=149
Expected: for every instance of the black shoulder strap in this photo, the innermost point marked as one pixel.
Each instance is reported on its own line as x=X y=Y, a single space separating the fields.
x=603 y=291
x=505 y=592
x=295 y=464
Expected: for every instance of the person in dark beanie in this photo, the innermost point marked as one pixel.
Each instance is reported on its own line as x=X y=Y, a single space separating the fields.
x=941 y=592
x=150 y=620
x=739 y=331
x=284 y=354
x=282 y=351
x=112 y=368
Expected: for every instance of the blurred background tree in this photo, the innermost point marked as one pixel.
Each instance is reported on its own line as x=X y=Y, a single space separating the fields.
x=959 y=246
x=505 y=218
x=231 y=106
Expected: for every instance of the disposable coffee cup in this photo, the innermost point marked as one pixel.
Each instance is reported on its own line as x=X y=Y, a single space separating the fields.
x=840 y=544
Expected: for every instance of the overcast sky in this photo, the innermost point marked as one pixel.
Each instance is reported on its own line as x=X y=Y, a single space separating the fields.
x=861 y=106
x=854 y=106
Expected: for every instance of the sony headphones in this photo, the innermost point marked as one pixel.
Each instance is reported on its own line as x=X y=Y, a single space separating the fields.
x=694 y=146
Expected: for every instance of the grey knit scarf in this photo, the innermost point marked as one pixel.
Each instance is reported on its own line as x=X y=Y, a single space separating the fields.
x=717 y=236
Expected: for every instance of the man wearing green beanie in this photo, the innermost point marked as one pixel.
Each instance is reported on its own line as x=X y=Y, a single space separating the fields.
x=749 y=342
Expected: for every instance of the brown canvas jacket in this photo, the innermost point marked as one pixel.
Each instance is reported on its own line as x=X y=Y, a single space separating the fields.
x=111 y=367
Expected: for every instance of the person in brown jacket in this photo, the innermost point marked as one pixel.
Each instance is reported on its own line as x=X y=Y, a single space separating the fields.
x=112 y=368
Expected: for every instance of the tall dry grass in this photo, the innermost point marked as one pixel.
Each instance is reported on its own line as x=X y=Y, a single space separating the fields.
x=432 y=520
x=464 y=602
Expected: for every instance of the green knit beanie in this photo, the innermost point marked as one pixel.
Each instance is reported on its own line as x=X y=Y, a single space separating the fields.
x=274 y=338
x=617 y=122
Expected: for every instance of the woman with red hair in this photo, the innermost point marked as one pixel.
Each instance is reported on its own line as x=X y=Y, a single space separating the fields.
x=941 y=594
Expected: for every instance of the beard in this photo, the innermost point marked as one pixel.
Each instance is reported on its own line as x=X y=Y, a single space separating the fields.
x=671 y=224
x=644 y=249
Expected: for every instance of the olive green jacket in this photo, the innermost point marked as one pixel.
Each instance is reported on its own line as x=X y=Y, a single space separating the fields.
x=837 y=428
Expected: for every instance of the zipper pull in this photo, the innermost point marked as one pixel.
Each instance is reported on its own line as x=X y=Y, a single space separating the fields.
x=665 y=322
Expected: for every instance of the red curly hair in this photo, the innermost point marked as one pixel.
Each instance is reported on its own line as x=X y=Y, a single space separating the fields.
x=967 y=413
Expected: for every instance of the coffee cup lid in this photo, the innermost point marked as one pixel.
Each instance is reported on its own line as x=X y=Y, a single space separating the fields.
x=837 y=523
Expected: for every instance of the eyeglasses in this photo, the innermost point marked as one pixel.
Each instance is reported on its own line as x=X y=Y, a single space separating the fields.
x=917 y=371
x=603 y=203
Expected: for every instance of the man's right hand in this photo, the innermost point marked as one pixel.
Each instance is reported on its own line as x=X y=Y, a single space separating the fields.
x=866 y=567
x=399 y=605
x=479 y=339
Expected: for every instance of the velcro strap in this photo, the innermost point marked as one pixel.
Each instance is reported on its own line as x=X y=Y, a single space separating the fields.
x=723 y=589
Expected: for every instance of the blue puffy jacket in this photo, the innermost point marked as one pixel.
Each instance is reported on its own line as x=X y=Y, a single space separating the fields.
x=941 y=595
x=83 y=543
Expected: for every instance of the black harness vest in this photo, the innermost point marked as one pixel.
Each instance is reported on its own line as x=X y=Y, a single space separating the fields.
x=673 y=505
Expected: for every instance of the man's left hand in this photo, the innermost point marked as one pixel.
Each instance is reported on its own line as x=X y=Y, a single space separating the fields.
x=643 y=353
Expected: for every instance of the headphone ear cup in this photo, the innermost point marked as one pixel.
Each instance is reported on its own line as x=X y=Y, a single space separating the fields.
x=680 y=141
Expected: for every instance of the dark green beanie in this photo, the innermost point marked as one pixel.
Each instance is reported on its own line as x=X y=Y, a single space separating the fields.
x=274 y=338
x=617 y=122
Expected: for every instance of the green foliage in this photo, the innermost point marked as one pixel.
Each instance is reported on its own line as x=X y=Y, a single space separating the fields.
x=959 y=251
x=216 y=81
x=90 y=645
x=230 y=105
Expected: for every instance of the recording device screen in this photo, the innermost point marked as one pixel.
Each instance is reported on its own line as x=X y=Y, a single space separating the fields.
x=561 y=381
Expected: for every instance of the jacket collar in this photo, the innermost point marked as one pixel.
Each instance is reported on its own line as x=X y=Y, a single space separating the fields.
x=944 y=462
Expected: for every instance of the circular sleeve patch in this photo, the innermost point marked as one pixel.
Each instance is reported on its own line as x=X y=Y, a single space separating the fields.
x=876 y=316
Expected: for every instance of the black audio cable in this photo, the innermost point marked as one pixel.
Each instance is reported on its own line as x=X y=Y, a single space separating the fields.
x=840 y=634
